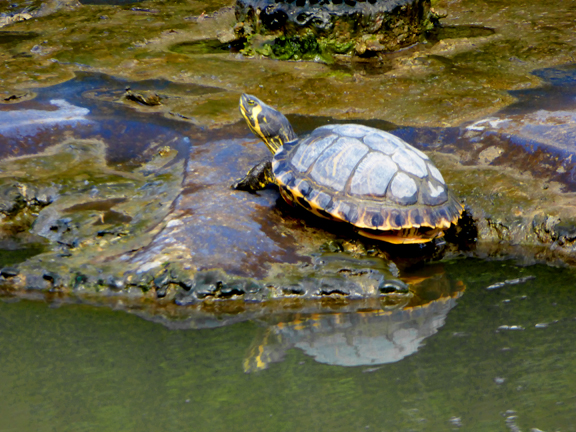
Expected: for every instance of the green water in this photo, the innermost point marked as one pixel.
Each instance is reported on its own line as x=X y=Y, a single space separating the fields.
x=80 y=368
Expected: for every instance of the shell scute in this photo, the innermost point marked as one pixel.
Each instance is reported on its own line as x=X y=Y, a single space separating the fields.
x=347 y=211
x=396 y=219
x=372 y=175
x=435 y=172
x=419 y=153
x=384 y=145
x=415 y=218
x=433 y=193
x=322 y=200
x=352 y=130
x=377 y=220
x=303 y=202
x=308 y=152
x=304 y=188
x=410 y=162
x=286 y=178
x=335 y=165
x=403 y=189
x=368 y=178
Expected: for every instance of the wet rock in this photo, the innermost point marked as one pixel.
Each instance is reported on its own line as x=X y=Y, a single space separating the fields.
x=148 y=100
x=162 y=221
x=11 y=199
x=9 y=272
x=38 y=282
x=116 y=212
x=221 y=244
x=16 y=97
x=16 y=196
x=308 y=29
x=211 y=285
x=208 y=284
x=466 y=73
x=86 y=232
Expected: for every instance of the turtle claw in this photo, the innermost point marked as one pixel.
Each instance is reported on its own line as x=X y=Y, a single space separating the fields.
x=256 y=179
x=242 y=184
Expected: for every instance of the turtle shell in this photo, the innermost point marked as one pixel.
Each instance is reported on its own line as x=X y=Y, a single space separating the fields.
x=367 y=177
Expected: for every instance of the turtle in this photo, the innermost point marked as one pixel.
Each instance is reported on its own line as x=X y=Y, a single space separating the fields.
x=386 y=188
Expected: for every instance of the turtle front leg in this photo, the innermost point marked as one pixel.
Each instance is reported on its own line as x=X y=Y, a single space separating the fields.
x=257 y=178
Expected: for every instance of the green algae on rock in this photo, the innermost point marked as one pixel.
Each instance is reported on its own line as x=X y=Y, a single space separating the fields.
x=137 y=205
x=443 y=83
x=462 y=77
x=289 y=30
x=76 y=214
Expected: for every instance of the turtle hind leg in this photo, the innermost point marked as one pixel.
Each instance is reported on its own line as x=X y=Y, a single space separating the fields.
x=257 y=178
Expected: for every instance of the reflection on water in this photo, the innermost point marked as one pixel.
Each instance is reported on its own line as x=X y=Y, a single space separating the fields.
x=377 y=332
x=206 y=46
x=452 y=32
x=350 y=339
x=89 y=107
x=28 y=122
x=10 y=37
x=81 y=368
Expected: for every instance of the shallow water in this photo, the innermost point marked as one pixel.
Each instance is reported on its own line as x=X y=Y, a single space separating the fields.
x=471 y=358
x=503 y=360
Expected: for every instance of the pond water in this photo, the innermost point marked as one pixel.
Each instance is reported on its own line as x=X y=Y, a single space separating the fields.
x=502 y=359
x=489 y=346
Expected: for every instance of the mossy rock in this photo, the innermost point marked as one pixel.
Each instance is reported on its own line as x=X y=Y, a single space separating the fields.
x=308 y=29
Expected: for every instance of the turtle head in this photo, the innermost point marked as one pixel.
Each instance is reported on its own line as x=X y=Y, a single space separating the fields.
x=267 y=123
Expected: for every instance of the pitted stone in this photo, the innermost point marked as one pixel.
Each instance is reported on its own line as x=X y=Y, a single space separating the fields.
x=309 y=27
x=319 y=13
x=410 y=162
x=372 y=175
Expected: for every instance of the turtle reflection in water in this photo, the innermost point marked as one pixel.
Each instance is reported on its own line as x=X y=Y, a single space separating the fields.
x=367 y=338
x=369 y=178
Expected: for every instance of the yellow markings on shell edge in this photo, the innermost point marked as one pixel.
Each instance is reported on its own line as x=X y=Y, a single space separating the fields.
x=404 y=236
x=256 y=358
x=408 y=233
